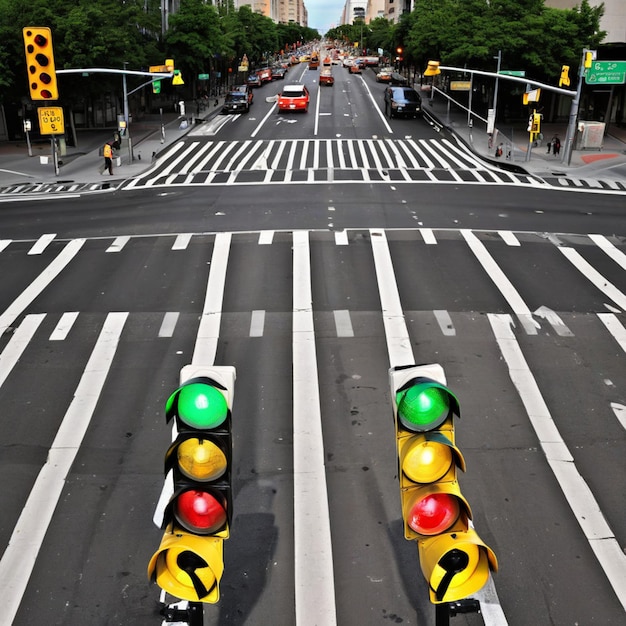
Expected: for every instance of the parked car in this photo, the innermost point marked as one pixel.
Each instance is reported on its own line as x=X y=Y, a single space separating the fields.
x=326 y=78
x=236 y=102
x=294 y=98
x=402 y=101
x=314 y=63
x=265 y=74
x=253 y=80
x=278 y=73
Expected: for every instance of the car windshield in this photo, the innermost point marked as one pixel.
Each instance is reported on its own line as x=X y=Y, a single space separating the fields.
x=407 y=94
x=236 y=96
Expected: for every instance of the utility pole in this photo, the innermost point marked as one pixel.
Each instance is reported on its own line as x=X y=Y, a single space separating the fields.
x=573 y=112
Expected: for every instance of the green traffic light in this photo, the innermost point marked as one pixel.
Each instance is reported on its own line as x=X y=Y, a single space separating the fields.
x=423 y=407
x=199 y=405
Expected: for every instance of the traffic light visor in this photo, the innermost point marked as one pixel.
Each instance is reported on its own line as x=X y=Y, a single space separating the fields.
x=198 y=404
x=424 y=404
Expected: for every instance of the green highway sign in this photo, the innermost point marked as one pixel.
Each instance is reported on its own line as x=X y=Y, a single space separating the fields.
x=203 y=77
x=520 y=73
x=606 y=73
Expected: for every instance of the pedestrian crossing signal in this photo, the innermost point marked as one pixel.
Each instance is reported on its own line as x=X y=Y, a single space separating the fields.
x=189 y=562
x=454 y=560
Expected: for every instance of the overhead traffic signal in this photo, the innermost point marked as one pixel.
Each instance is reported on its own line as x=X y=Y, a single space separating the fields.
x=189 y=562
x=454 y=560
x=564 y=80
x=432 y=69
x=42 y=78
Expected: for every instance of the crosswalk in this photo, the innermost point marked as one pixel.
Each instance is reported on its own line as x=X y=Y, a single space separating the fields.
x=504 y=317
x=311 y=161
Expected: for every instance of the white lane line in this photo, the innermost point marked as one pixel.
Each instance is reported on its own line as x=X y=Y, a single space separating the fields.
x=168 y=325
x=428 y=236
x=343 y=323
x=615 y=328
x=17 y=344
x=64 y=326
x=314 y=576
x=593 y=276
x=118 y=244
x=606 y=246
x=445 y=322
x=20 y=555
x=398 y=341
x=182 y=241
x=27 y=296
x=257 y=323
x=579 y=497
x=208 y=332
x=42 y=243
x=504 y=285
x=4 y=243
x=509 y=238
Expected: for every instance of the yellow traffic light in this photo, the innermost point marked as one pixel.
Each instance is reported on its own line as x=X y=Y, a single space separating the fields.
x=454 y=560
x=589 y=54
x=432 y=69
x=564 y=80
x=42 y=78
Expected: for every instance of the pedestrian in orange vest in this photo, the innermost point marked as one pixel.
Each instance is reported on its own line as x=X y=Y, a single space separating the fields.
x=107 y=152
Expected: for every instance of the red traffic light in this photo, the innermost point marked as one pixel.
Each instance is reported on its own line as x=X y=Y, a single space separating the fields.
x=434 y=514
x=201 y=512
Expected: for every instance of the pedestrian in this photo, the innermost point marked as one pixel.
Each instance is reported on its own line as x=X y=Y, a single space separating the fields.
x=499 y=150
x=107 y=152
x=549 y=146
x=556 y=145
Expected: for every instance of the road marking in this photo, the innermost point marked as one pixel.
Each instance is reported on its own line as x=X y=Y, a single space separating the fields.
x=341 y=238
x=509 y=238
x=20 y=555
x=182 y=241
x=445 y=322
x=314 y=577
x=428 y=236
x=504 y=285
x=27 y=296
x=266 y=237
x=257 y=323
x=579 y=497
x=606 y=246
x=554 y=320
x=209 y=330
x=594 y=277
x=168 y=325
x=4 y=243
x=42 y=243
x=615 y=328
x=17 y=344
x=64 y=326
x=343 y=323
x=118 y=244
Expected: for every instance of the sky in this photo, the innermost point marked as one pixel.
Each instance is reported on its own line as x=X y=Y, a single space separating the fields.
x=324 y=14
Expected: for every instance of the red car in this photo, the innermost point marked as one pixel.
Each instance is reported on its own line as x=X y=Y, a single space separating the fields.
x=294 y=98
x=265 y=74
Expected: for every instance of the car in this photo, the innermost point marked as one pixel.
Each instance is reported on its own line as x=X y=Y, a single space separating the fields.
x=265 y=74
x=278 y=73
x=294 y=97
x=245 y=89
x=314 y=63
x=384 y=76
x=397 y=79
x=326 y=77
x=236 y=102
x=355 y=68
x=253 y=80
x=402 y=101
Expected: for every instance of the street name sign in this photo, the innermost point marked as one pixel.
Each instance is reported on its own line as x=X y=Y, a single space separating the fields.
x=606 y=73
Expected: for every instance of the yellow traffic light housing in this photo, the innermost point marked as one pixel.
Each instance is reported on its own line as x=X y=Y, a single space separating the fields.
x=432 y=69
x=42 y=78
x=564 y=80
x=454 y=560
x=589 y=58
x=189 y=562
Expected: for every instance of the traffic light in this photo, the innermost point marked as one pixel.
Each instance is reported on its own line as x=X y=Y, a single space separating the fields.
x=42 y=78
x=564 y=80
x=534 y=125
x=156 y=86
x=189 y=562
x=432 y=69
x=589 y=57
x=453 y=559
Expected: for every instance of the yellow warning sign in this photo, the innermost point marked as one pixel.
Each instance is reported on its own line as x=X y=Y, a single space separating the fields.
x=51 y=120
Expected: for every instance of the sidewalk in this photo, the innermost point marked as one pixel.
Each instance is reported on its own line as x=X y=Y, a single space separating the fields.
x=82 y=163
x=607 y=163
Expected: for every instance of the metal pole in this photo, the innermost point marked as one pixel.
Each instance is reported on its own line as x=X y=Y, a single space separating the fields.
x=495 y=93
x=130 y=144
x=573 y=114
x=442 y=614
x=469 y=104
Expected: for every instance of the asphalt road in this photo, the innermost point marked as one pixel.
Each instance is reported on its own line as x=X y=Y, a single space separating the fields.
x=509 y=288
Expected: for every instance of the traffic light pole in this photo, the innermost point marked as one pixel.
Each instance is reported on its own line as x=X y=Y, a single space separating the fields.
x=573 y=115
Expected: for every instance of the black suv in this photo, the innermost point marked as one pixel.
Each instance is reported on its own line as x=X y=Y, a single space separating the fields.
x=402 y=101
x=236 y=102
